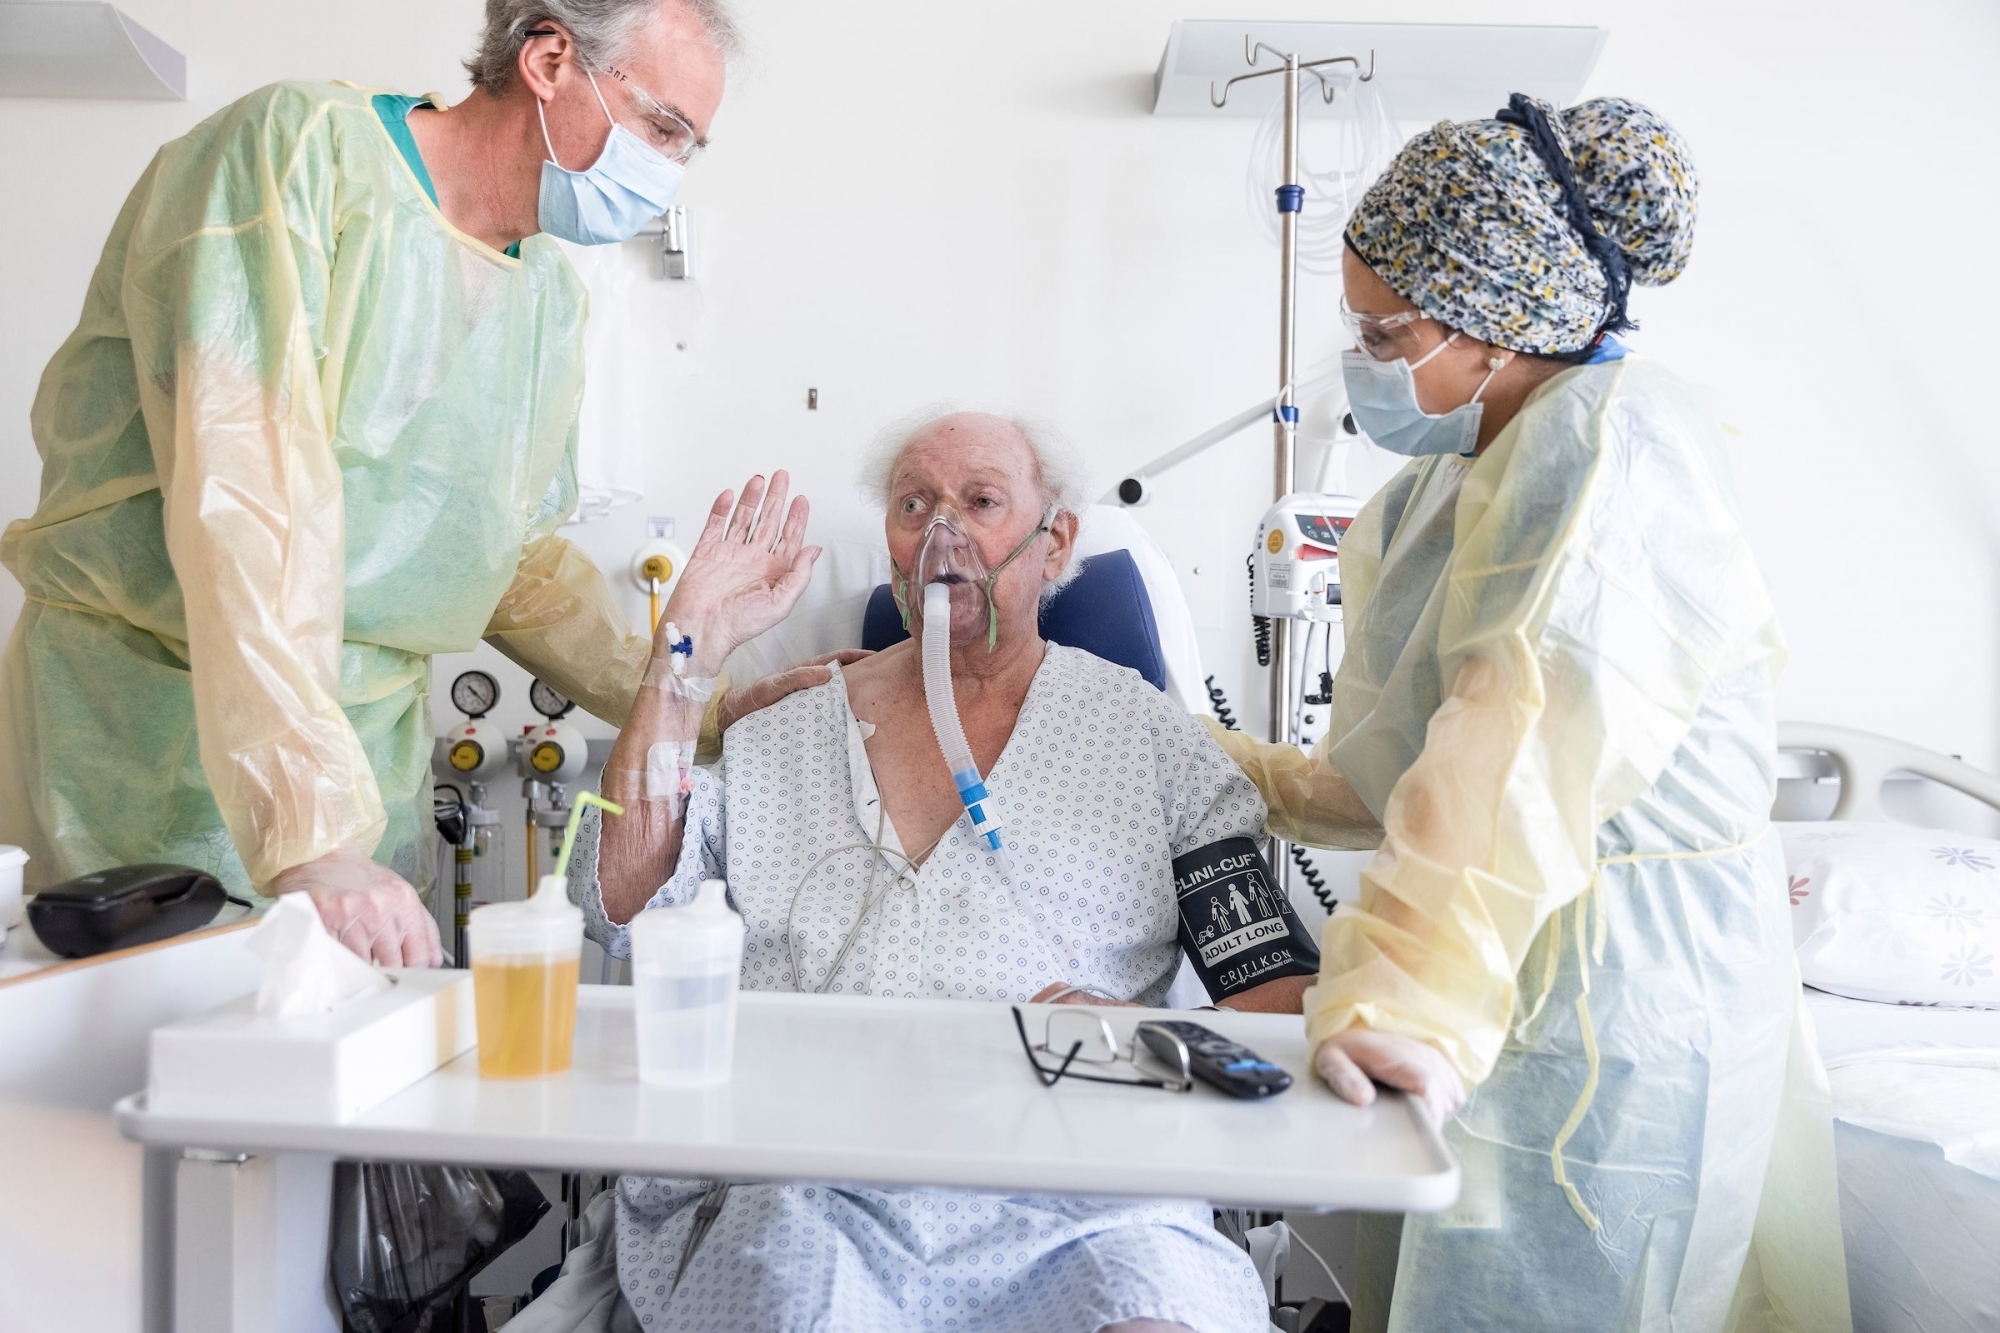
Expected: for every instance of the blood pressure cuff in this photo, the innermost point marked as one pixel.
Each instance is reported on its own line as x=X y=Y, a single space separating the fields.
x=1236 y=925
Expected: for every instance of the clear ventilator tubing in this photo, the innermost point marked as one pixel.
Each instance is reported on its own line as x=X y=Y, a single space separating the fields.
x=944 y=718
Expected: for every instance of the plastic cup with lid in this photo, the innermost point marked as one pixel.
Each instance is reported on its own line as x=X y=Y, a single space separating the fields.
x=11 y=861
x=525 y=958
x=685 y=964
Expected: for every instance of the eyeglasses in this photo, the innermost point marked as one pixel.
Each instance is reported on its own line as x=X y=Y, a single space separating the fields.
x=667 y=130
x=1072 y=1036
x=1382 y=337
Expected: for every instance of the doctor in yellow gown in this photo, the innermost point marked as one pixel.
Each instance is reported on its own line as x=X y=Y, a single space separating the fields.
x=317 y=423
x=1555 y=719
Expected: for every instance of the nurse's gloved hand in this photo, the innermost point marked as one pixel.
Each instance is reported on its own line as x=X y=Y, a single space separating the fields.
x=1354 y=1061
x=740 y=703
x=367 y=907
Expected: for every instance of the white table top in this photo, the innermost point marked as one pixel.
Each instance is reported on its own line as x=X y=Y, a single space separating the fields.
x=888 y=1092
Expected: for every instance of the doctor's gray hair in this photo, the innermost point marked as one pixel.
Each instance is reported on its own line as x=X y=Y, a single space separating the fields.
x=1058 y=474
x=602 y=28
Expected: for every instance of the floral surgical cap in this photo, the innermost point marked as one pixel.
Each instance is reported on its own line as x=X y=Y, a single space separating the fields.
x=1471 y=223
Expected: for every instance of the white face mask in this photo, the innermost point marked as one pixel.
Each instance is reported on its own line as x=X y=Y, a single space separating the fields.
x=1383 y=397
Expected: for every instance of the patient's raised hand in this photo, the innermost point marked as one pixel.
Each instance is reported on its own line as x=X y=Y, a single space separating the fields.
x=745 y=575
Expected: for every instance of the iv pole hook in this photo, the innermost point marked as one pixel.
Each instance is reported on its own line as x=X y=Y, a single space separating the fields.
x=1218 y=96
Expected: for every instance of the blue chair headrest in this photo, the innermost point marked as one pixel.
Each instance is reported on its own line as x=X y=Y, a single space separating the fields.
x=1103 y=610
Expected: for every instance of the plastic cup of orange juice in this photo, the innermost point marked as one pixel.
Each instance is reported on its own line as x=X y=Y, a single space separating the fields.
x=524 y=976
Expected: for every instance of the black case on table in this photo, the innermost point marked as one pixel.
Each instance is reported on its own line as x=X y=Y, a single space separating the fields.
x=124 y=906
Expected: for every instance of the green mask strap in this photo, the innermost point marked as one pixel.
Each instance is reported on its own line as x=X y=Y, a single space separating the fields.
x=992 y=613
x=897 y=583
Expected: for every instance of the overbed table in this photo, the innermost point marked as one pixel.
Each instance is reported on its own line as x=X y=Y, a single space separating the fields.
x=853 y=1089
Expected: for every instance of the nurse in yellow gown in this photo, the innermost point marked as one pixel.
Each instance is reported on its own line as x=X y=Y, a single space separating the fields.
x=317 y=423
x=1555 y=720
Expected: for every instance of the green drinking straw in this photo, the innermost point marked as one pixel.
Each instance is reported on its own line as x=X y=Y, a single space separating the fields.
x=583 y=798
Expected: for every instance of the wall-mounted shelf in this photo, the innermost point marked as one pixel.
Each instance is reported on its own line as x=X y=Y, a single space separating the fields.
x=1429 y=71
x=80 y=48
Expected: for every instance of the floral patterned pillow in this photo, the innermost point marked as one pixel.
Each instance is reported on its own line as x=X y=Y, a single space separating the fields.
x=1895 y=913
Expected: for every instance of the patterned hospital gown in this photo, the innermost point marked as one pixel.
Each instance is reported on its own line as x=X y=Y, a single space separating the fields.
x=1103 y=782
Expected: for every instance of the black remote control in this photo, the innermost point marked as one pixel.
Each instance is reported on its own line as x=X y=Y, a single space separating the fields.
x=1215 y=1059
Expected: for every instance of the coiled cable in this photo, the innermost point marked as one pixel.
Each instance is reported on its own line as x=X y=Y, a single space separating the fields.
x=1314 y=880
x=1260 y=625
x=1220 y=703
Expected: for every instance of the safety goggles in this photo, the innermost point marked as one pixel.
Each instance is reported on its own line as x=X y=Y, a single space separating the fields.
x=667 y=130
x=1383 y=337
x=1079 y=1044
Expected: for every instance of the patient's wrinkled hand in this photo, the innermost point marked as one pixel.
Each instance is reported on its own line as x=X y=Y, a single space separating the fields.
x=740 y=703
x=1063 y=992
x=745 y=574
x=1352 y=1062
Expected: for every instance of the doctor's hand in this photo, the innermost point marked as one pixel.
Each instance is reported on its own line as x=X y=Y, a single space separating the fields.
x=745 y=574
x=740 y=703
x=1352 y=1062
x=367 y=907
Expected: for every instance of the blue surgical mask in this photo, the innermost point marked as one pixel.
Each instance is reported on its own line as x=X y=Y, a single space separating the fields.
x=1382 y=395
x=625 y=188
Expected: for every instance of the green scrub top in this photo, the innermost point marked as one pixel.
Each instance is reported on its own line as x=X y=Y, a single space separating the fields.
x=394 y=109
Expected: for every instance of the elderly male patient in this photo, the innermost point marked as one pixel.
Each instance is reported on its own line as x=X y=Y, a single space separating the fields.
x=836 y=823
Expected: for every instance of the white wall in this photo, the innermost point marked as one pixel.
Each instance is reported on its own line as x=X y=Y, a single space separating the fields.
x=909 y=201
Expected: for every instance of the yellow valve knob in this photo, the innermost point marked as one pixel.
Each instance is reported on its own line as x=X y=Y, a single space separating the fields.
x=546 y=757
x=467 y=755
x=657 y=568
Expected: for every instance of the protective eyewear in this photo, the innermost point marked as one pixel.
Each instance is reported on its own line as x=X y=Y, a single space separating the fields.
x=1382 y=337
x=668 y=132
x=1072 y=1036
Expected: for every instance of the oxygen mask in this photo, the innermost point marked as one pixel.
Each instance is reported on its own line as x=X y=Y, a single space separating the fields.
x=948 y=555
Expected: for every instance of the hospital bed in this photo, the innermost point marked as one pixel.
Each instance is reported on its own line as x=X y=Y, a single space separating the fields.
x=1916 y=1094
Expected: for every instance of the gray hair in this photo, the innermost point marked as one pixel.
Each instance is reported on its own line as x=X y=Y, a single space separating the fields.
x=603 y=31
x=1057 y=471
x=1058 y=474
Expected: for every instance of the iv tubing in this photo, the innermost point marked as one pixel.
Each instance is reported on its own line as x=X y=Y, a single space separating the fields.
x=944 y=717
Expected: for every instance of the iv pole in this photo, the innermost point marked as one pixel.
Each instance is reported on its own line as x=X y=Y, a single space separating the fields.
x=1285 y=419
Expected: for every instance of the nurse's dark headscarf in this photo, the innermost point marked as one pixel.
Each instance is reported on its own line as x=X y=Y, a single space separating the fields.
x=1528 y=231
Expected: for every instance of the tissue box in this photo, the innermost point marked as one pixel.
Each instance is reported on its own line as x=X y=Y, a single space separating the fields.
x=229 y=1062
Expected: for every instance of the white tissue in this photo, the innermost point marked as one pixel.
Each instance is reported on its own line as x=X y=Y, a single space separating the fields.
x=306 y=970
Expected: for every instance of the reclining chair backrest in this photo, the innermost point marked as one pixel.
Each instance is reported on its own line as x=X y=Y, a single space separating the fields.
x=1103 y=610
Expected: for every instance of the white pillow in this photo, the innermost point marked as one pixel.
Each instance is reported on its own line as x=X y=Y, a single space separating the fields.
x=1895 y=913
